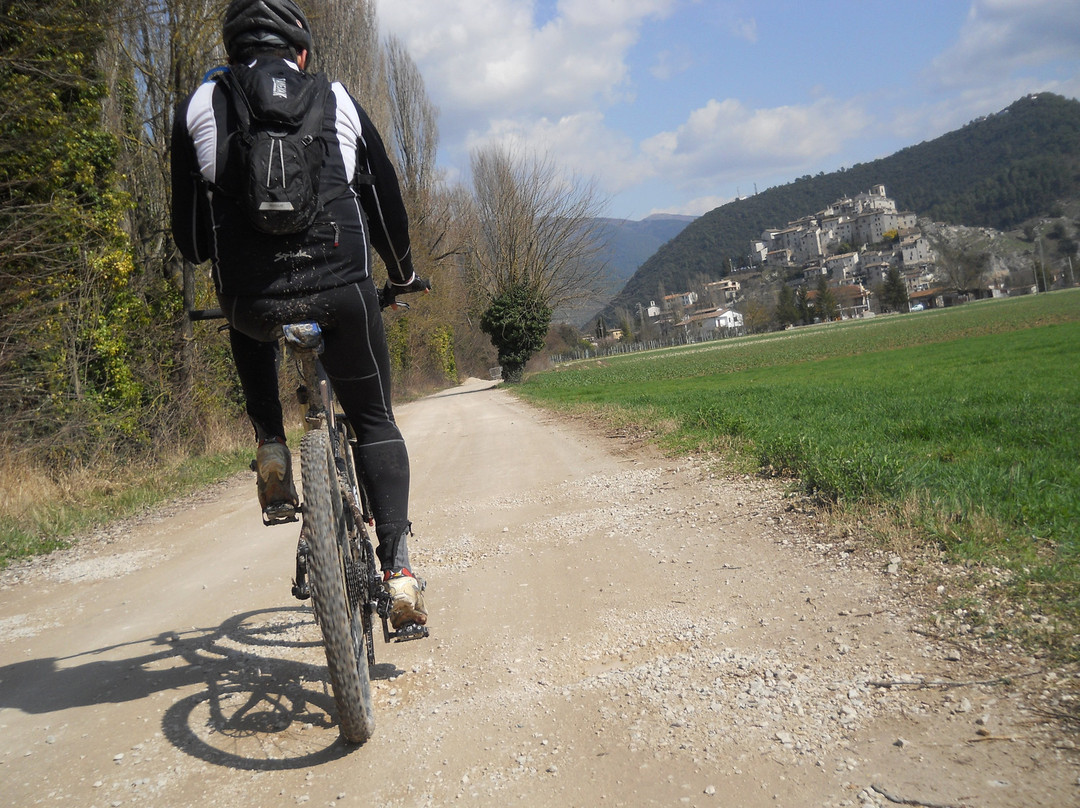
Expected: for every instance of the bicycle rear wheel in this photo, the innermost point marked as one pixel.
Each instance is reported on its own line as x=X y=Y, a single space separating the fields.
x=330 y=562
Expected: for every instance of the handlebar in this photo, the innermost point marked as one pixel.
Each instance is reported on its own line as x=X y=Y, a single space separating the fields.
x=389 y=293
x=206 y=314
x=388 y=299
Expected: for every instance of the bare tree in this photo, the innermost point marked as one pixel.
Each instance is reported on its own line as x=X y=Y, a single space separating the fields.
x=535 y=244
x=963 y=263
x=164 y=49
x=414 y=142
x=534 y=227
x=414 y=120
x=345 y=35
x=757 y=314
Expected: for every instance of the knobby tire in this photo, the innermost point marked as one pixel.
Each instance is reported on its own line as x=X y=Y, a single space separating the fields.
x=341 y=623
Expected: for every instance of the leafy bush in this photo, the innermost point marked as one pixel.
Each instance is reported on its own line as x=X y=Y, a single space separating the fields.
x=517 y=322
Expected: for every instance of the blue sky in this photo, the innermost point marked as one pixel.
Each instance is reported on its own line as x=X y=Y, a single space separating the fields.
x=680 y=105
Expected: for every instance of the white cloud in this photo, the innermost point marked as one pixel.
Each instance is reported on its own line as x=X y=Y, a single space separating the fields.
x=720 y=144
x=489 y=55
x=694 y=207
x=947 y=114
x=612 y=13
x=1004 y=50
x=745 y=29
x=1000 y=37
x=670 y=64
x=499 y=76
x=582 y=142
x=724 y=141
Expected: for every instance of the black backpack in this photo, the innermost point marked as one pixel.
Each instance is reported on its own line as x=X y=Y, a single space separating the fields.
x=273 y=160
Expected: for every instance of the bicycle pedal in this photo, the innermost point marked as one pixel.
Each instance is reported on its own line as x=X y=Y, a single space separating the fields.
x=279 y=514
x=409 y=632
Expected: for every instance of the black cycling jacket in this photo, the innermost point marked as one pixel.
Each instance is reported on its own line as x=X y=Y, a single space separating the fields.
x=333 y=252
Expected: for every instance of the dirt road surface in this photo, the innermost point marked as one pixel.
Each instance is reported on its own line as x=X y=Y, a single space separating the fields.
x=609 y=627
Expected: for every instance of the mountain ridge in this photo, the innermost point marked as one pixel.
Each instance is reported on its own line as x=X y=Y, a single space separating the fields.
x=625 y=245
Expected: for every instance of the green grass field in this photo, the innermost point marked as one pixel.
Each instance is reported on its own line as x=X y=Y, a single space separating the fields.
x=964 y=424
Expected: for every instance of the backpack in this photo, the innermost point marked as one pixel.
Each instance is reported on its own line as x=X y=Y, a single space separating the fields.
x=274 y=158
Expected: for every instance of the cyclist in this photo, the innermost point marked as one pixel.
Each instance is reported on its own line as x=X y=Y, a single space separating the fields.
x=322 y=273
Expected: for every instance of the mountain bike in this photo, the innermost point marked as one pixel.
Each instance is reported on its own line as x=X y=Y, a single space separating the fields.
x=336 y=567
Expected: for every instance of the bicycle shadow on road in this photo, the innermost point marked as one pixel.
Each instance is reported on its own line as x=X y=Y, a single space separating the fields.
x=262 y=704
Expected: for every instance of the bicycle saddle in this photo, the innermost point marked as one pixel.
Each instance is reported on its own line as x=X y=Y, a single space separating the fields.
x=306 y=335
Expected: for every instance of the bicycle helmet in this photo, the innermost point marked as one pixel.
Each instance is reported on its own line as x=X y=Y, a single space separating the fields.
x=265 y=24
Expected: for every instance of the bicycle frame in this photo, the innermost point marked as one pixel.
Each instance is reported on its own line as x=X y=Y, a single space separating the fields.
x=304 y=343
x=335 y=559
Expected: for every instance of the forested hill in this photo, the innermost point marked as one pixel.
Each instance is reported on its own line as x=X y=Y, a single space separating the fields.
x=996 y=171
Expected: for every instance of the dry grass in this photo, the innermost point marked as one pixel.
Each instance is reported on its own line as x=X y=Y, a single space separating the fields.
x=24 y=486
x=42 y=508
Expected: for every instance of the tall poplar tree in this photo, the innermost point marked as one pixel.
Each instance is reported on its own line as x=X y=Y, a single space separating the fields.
x=894 y=295
x=787 y=309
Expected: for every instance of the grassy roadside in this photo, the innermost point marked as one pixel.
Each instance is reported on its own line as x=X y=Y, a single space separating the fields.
x=42 y=510
x=42 y=513
x=958 y=429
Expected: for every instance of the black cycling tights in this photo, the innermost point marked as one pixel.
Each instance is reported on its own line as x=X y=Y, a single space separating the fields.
x=358 y=364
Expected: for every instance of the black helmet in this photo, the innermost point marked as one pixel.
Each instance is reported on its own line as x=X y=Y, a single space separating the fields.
x=265 y=23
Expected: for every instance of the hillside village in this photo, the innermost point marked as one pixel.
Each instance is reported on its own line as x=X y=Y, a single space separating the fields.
x=824 y=245
x=852 y=250
x=815 y=246
x=855 y=243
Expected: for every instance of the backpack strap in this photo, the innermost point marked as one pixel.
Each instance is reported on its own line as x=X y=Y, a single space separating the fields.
x=239 y=103
x=316 y=111
x=212 y=73
x=239 y=98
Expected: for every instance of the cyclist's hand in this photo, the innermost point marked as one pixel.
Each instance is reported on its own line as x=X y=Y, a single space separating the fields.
x=389 y=293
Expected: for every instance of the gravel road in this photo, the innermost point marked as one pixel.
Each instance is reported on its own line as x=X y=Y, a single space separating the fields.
x=609 y=627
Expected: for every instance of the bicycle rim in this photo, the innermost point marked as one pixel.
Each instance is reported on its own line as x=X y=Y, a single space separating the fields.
x=342 y=629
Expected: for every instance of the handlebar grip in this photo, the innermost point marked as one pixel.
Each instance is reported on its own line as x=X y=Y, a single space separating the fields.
x=206 y=314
